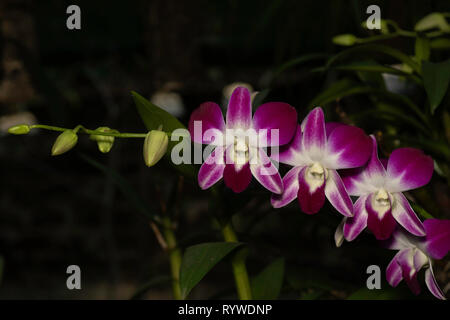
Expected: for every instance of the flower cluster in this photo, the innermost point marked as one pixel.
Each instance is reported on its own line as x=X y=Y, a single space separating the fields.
x=329 y=161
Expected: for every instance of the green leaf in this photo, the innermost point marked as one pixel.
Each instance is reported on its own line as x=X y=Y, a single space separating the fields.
x=267 y=284
x=369 y=49
x=296 y=61
x=441 y=43
x=199 y=259
x=422 y=49
x=421 y=211
x=153 y=116
x=371 y=66
x=435 y=20
x=332 y=92
x=436 y=77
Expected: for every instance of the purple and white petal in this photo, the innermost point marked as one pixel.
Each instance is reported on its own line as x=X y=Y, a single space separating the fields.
x=280 y=121
x=292 y=152
x=311 y=191
x=405 y=259
x=408 y=169
x=212 y=169
x=355 y=225
x=379 y=219
x=239 y=112
x=394 y=274
x=330 y=126
x=437 y=240
x=265 y=172
x=337 y=194
x=368 y=178
x=314 y=136
x=432 y=284
x=405 y=215
x=237 y=178
x=290 y=182
x=347 y=147
x=206 y=118
x=399 y=240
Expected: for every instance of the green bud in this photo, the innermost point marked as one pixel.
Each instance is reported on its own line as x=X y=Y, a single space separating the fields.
x=345 y=40
x=19 y=129
x=65 y=141
x=155 y=146
x=104 y=143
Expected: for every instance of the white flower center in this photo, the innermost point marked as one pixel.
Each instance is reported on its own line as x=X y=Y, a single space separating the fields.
x=240 y=151
x=381 y=202
x=315 y=176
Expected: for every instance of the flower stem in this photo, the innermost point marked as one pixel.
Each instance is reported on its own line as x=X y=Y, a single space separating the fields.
x=80 y=128
x=238 y=263
x=174 y=258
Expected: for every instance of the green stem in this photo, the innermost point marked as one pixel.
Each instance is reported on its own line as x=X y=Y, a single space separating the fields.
x=80 y=128
x=174 y=258
x=238 y=263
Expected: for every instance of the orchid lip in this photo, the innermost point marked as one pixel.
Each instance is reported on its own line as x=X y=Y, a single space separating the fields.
x=315 y=175
x=381 y=202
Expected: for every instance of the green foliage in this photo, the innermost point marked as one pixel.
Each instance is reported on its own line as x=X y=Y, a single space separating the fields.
x=436 y=77
x=267 y=284
x=199 y=259
x=154 y=117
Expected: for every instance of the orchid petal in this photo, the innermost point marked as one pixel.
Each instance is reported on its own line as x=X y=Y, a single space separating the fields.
x=311 y=194
x=211 y=170
x=354 y=225
x=208 y=117
x=347 y=147
x=432 y=284
x=266 y=173
x=394 y=274
x=239 y=112
x=314 y=136
x=367 y=179
x=405 y=259
x=437 y=240
x=337 y=194
x=292 y=152
x=405 y=215
x=408 y=169
x=276 y=116
x=237 y=178
x=290 y=182
x=379 y=220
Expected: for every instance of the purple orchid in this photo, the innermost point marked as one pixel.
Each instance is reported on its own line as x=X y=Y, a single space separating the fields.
x=237 y=158
x=415 y=252
x=316 y=152
x=381 y=203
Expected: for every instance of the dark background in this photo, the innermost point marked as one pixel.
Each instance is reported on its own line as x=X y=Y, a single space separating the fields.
x=59 y=211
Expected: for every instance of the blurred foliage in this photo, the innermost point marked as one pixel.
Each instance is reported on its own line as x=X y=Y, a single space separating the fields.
x=392 y=82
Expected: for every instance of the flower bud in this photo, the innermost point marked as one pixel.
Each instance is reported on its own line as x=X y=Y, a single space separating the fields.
x=19 y=129
x=155 y=146
x=104 y=143
x=65 y=141
x=345 y=40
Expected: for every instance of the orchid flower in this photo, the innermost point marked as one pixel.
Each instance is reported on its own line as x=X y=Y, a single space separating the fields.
x=315 y=153
x=237 y=158
x=416 y=252
x=381 y=203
